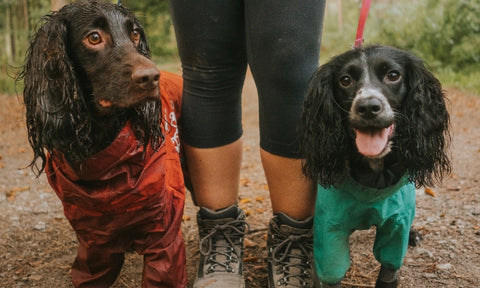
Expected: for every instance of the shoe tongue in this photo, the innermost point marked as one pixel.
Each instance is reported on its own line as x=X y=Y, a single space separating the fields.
x=295 y=257
x=283 y=219
x=228 y=212
x=373 y=142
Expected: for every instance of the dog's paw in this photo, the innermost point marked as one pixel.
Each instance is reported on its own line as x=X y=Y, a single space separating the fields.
x=414 y=238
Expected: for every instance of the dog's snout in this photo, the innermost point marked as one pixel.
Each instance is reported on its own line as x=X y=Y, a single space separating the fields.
x=369 y=107
x=146 y=77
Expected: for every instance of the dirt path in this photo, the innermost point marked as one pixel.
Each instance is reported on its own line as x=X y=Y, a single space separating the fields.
x=37 y=246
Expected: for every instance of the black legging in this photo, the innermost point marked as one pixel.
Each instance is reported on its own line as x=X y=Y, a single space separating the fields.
x=278 y=39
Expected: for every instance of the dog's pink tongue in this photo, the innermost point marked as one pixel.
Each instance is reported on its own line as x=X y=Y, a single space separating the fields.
x=372 y=143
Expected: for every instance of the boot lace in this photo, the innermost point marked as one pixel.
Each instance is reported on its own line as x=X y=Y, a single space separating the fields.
x=222 y=246
x=292 y=256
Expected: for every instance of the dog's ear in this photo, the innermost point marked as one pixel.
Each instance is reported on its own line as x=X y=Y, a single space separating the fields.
x=424 y=137
x=51 y=93
x=322 y=134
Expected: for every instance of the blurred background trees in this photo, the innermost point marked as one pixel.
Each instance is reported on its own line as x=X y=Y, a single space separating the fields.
x=446 y=33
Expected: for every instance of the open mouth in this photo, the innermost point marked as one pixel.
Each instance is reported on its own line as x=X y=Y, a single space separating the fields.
x=373 y=142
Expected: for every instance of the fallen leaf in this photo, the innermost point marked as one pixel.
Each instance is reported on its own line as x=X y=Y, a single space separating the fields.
x=35 y=263
x=429 y=191
x=261 y=210
x=259 y=199
x=35 y=278
x=11 y=196
x=186 y=218
x=19 y=189
x=245 y=182
x=264 y=187
x=245 y=200
x=250 y=259
x=249 y=243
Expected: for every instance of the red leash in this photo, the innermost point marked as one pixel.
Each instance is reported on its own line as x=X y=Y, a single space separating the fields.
x=361 y=23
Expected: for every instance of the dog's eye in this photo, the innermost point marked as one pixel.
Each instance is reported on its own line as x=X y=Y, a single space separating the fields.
x=94 y=38
x=392 y=76
x=345 y=81
x=135 y=35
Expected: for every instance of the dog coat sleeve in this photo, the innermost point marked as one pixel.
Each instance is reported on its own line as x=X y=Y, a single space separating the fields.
x=339 y=211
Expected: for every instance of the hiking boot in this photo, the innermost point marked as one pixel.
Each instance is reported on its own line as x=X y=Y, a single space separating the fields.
x=221 y=247
x=290 y=252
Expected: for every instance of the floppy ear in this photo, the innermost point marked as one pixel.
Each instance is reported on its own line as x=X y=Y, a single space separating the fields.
x=422 y=131
x=322 y=135
x=54 y=108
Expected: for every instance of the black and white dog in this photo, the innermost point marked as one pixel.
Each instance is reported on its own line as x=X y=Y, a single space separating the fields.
x=375 y=125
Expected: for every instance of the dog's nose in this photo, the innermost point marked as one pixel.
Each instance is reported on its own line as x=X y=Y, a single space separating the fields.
x=368 y=108
x=146 y=77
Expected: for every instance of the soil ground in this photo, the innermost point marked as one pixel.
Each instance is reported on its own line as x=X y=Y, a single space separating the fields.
x=37 y=246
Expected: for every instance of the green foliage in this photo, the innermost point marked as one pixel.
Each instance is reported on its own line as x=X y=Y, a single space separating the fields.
x=446 y=33
x=155 y=18
x=7 y=84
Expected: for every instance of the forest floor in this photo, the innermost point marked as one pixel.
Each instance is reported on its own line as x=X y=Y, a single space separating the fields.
x=37 y=245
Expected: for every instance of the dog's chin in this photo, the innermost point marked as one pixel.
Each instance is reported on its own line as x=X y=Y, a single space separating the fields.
x=374 y=142
x=107 y=106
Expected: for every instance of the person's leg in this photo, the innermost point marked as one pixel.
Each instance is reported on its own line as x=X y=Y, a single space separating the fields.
x=211 y=43
x=212 y=50
x=283 y=51
x=215 y=174
x=285 y=178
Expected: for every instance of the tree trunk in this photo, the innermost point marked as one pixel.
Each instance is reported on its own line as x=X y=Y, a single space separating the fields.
x=25 y=15
x=9 y=39
x=340 y=15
